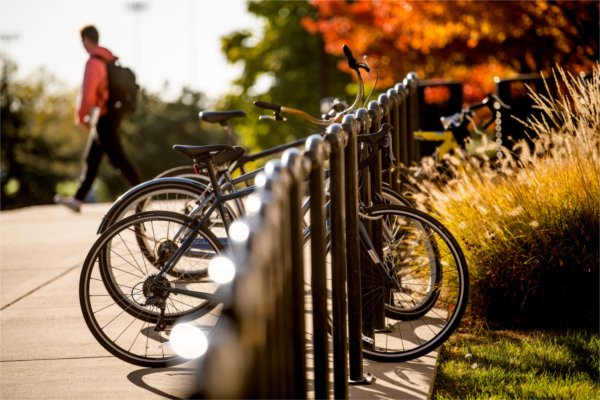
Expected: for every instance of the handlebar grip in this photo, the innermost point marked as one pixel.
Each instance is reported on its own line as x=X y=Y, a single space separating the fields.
x=349 y=57
x=267 y=105
x=352 y=63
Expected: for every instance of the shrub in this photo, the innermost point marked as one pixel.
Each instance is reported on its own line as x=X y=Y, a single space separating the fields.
x=530 y=226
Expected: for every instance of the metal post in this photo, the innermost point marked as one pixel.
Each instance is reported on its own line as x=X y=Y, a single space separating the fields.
x=314 y=152
x=394 y=120
x=336 y=137
x=403 y=115
x=352 y=127
x=412 y=82
x=362 y=115
x=282 y=282
x=292 y=161
x=385 y=105
x=375 y=112
x=374 y=317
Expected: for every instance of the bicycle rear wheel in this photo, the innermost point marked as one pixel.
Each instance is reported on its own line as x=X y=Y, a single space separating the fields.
x=130 y=311
x=183 y=171
x=411 y=306
x=167 y=194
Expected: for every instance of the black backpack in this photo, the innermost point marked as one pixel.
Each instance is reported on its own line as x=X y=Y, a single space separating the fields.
x=122 y=88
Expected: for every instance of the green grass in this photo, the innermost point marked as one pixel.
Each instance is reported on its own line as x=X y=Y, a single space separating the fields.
x=497 y=364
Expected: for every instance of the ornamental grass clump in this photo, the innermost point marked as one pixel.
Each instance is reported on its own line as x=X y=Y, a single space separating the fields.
x=530 y=225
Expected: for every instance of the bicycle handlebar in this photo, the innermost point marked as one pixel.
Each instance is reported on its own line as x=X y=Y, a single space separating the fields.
x=279 y=109
x=352 y=63
x=456 y=120
x=376 y=138
x=268 y=106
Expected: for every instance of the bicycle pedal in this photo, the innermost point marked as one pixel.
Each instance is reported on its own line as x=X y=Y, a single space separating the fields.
x=368 y=340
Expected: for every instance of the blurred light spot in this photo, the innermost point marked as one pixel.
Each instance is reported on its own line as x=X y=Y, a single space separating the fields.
x=260 y=180
x=221 y=270
x=239 y=231
x=253 y=203
x=188 y=341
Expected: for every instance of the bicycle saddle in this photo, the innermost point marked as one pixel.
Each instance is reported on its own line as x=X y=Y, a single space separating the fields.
x=218 y=154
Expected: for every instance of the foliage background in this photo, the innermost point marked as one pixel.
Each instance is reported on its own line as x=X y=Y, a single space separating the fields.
x=471 y=41
x=295 y=59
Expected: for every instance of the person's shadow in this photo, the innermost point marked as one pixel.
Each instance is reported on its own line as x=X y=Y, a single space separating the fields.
x=137 y=378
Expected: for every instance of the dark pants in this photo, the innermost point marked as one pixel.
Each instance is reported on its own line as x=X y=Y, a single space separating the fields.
x=107 y=141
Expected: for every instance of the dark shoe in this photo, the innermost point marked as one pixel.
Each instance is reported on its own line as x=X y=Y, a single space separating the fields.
x=70 y=202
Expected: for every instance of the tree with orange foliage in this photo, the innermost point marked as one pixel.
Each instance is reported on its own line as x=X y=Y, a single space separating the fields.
x=472 y=41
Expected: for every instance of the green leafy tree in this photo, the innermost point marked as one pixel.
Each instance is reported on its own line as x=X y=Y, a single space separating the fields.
x=42 y=149
x=40 y=144
x=283 y=64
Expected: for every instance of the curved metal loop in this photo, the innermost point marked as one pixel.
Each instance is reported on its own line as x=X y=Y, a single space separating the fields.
x=315 y=151
x=337 y=137
x=363 y=116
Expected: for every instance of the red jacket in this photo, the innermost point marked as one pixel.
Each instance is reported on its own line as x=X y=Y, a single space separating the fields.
x=94 y=91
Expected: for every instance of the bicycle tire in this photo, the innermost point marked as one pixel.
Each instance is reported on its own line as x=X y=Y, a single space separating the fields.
x=183 y=171
x=389 y=197
x=389 y=334
x=428 y=298
x=166 y=194
x=394 y=198
x=114 y=285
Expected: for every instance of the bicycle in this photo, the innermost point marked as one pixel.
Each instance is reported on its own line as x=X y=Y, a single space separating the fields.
x=168 y=191
x=120 y=276
x=456 y=131
x=174 y=258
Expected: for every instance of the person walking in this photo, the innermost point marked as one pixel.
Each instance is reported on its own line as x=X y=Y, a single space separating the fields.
x=101 y=119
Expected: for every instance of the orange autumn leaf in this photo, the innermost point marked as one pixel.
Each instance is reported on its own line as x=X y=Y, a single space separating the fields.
x=471 y=41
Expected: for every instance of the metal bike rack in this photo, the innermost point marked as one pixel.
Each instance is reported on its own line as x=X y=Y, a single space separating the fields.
x=260 y=348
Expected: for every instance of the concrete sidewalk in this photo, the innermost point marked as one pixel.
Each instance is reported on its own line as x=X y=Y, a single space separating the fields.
x=47 y=351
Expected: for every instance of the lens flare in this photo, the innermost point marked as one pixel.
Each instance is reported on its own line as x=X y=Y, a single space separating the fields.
x=221 y=270
x=239 y=231
x=188 y=341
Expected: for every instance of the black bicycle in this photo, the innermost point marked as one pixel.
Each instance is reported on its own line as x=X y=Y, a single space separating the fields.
x=132 y=295
x=150 y=270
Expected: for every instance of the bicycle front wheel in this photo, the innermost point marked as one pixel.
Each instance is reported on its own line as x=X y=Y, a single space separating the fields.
x=127 y=308
x=415 y=296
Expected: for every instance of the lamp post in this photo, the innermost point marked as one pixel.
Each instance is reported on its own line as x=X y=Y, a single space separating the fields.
x=7 y=38
x=137 y=7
